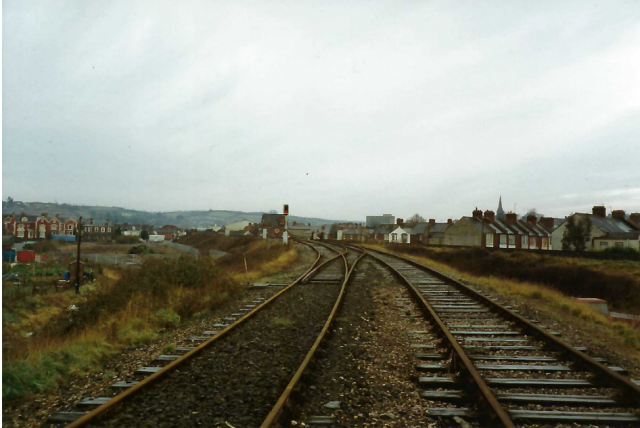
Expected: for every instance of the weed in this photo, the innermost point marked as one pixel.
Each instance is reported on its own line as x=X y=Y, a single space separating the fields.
x=167 y=318
x=283 y=322
x=108 y=375
x=169 y=349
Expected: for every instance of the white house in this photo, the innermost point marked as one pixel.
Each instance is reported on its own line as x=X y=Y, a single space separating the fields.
x=399 y=236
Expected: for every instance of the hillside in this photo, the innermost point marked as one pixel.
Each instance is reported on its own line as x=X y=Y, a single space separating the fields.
x=187 y=219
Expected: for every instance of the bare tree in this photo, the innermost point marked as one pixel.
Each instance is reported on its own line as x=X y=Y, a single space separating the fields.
x=415 y=219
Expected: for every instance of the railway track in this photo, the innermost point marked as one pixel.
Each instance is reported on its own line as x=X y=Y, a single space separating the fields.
x=496 y=367
x=240 y=375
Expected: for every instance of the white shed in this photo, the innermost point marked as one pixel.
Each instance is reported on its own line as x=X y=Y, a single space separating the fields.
x=399 y=236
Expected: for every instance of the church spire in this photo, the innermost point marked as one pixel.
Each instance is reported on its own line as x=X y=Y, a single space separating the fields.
x=500 y=213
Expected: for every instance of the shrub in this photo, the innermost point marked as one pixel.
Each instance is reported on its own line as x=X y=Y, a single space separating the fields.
x=167 y=318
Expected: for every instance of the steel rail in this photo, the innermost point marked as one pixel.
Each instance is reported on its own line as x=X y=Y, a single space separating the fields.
x=90 y=416
x=321 y=265
x=275 y=412
x=605 y=374
x=484 y=389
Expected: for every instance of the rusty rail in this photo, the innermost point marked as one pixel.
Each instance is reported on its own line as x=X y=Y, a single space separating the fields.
x=186 y=357
x=605 y=374
x=484 y=389
x=275 y=412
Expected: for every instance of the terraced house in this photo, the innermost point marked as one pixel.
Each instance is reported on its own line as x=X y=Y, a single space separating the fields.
x=97 y=231
x=38 y=227
x=606 y=232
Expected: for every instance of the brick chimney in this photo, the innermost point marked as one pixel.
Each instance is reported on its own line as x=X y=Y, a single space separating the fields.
x=400 y=222
x=57 y=216
x=488 y=214
x=618 y=214
x=547 y=222
x=90 y=221
x=532 y=219
x=449 y=221
x=635 y=218
x=432 y=221
x=599 y=211
x=512 y=218
x=106 y=221
x=477 y=213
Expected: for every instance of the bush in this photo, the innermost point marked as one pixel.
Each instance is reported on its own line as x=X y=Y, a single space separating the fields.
x=167 y=318
x=127 y=240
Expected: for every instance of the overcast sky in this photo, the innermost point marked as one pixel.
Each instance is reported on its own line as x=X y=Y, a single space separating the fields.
x=342 y=109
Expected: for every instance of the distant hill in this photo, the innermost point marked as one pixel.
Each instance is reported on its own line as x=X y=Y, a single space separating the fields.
x=187 y=219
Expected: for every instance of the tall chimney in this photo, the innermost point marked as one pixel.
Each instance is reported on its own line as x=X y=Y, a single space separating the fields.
x=635 y=218
x=512 y=218
x=477 y=213
x=618 y=214
x=488 y=214
x=449 y=221
x=90 y=221
x=532 y=219
x=432 y=221
x=400 y=222
x=599 y=211
x=547 y=222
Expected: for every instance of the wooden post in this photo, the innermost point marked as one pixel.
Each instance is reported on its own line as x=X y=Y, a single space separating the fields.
x=79 y=238
x=246 y=269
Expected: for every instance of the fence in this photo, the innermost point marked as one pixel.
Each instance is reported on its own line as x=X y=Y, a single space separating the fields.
x=184 y=248
x=124 y=259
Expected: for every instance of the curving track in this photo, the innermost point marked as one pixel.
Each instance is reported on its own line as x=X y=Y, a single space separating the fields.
x=494 y=366
x=240 y=375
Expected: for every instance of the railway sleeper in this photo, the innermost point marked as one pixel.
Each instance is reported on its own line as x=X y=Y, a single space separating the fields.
x=555 y=399
x=65 y=417
x=542 y=415
x=93 y=401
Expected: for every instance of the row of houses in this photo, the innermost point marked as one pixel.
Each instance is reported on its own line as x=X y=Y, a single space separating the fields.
x=25 y=226
x=486 y=229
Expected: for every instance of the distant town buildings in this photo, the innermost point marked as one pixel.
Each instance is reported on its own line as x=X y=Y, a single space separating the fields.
x=377 y=220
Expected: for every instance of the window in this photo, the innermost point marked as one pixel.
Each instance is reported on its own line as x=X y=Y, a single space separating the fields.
x=525 y=241
x=54 y=227
x=489 y=239
x=512 y=240
x=545 y=242
x=394 y=237
x=619 y=244
x=108 y=229
x=103 y=229
x=604 y=244
x=24 y=219
x=95 y=229
x=69 y=227
x=503 y=241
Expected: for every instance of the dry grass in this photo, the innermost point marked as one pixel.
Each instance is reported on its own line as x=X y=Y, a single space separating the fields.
x=123 y=308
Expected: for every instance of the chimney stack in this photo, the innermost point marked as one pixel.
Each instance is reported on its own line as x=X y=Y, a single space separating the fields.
x=512 y=218
x=400 y=222
x=532 y=219
x=477 y=213
x=449 y=221
x=432 y=221
x=635 y=218
x=490 y=215
x=547 y=222
x=618 y=214
x=599 y=211
x=90 y=221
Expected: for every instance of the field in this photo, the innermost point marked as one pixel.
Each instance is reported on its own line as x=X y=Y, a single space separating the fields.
x=49 y=338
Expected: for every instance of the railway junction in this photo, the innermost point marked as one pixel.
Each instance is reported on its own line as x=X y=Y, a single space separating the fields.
x=368 y=338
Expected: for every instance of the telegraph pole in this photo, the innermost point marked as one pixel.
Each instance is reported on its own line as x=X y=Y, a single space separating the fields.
x=79 y=237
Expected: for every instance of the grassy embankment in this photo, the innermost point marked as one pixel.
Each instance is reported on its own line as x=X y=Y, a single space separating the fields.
x=546 y=298
x=44 y=341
